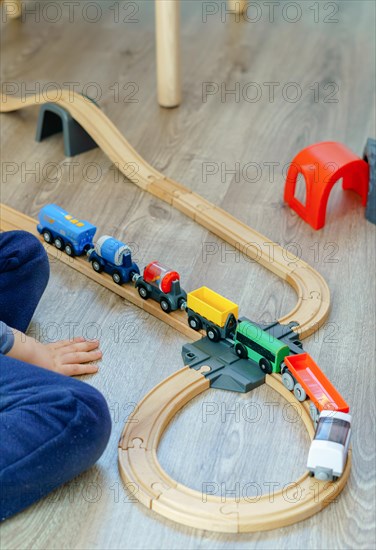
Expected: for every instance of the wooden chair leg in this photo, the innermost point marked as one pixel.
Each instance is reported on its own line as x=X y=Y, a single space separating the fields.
x=168 y=52
x=237 y=5
x=13 y=8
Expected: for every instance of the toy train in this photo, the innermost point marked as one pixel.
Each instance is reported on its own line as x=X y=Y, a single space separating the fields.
x=219 y=317
x=161 y=284
x=328 y=451
x=66 y=232
x=111 y=256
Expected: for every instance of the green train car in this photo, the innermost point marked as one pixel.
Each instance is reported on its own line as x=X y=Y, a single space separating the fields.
x=251 y=342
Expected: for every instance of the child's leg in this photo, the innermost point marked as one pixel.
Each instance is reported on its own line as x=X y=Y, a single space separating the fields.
x=24 y=272
x=52 y=428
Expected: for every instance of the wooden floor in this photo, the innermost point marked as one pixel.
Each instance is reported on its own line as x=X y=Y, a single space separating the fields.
x=259 y=444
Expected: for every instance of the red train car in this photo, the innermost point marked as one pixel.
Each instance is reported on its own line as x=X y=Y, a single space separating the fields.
x=302 y=375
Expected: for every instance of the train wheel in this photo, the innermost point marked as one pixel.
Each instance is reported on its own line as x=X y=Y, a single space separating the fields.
x=116 y=277
x=181 y=303
x=69 y=249
x=47 y=236
x=59 y=243
x=97 y=266
x=165 y=305
x=241 y=351
x=265 y=366
x=194 y=322
x=143 y=292
x=299 y=392
x=314 y=413
x=287 y=380
x=323 y=474
x=213 y=334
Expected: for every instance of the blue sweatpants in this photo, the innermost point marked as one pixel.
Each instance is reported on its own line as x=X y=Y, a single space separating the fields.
x=52 y=427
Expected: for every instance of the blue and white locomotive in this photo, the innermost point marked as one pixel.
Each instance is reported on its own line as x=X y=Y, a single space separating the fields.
x=76 y=236
x=66 y=232
x=113 y=257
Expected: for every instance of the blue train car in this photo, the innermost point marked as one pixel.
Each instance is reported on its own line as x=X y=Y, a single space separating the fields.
x=65 y=231
x=113 y=257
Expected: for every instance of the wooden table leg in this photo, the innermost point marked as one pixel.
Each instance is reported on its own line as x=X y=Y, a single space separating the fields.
x=168 y=52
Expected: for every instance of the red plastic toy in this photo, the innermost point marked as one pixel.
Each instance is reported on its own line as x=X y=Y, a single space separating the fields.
x=322 y=165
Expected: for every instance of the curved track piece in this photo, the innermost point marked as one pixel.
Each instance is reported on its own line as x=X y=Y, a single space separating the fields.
x=313 y=303
x=140 y=468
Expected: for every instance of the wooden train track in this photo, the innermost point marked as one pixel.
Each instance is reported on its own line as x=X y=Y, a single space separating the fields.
x=138 y=461
x=313 y=303
x=144 y=476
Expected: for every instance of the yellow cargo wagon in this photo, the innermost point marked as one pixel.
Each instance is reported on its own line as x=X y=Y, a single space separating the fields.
x=211 y=311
